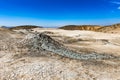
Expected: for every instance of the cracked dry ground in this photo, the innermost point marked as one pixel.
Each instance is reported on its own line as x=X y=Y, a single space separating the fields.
x=24 y=64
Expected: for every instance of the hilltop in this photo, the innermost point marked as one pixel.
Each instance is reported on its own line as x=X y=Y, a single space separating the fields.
x=24 y=27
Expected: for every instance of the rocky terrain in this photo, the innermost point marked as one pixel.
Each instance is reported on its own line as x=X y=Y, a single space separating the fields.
x=56 y=54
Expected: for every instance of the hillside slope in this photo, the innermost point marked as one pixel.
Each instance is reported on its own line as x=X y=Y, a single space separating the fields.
x=81 y=27
x=110 y=29
x=115 y=28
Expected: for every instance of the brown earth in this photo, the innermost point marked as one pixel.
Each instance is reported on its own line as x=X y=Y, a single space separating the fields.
x=38 y=55
x=81 y=27
x=110 y=29
x=115 y=28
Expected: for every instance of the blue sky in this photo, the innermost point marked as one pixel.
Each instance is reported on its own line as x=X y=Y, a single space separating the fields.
x=59 y=12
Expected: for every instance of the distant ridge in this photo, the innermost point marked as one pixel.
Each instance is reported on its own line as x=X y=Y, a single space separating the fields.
x=109 y=28
x=106 y=29
x=81 y=27
x=4 y=27
x=24 y=27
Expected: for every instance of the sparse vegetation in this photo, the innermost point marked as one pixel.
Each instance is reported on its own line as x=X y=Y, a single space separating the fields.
x=24 y=27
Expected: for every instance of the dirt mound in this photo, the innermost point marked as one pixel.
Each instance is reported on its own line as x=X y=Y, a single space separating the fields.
x=40 y=41
x=3 y=29
x=7 y=33
x=40 y=44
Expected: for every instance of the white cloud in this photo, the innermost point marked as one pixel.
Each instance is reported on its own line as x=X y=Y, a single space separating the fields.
x=119 y=7
x=115 y=2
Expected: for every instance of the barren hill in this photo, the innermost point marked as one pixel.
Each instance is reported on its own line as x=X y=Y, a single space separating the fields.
x=115 y=28
x=110 y=29
x=81 y=27
x=24 y=27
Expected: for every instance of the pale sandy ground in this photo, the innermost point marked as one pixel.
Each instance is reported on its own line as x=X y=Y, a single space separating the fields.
x=97 y=41
x=13 y=66
x=78 y=33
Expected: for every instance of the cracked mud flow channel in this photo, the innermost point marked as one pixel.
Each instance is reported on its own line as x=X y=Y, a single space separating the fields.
x=45 y=42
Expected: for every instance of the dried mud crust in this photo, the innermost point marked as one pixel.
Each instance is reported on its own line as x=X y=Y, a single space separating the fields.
x=41 y=41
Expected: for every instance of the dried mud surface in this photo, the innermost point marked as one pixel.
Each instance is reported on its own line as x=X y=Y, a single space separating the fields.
x=55 y=54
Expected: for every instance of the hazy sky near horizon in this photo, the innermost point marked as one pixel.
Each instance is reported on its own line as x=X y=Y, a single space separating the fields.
x=59 y=12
